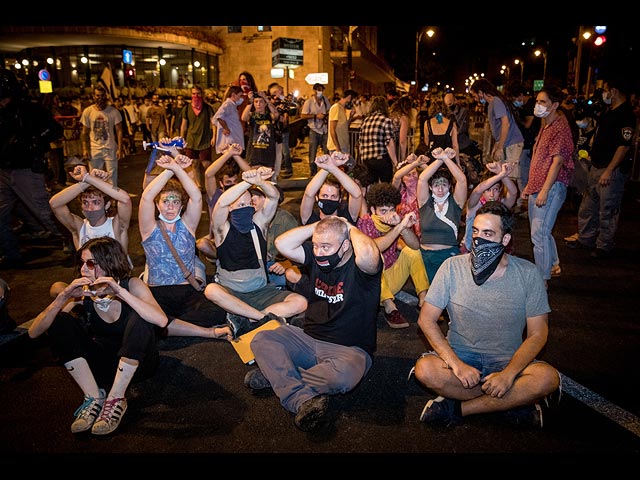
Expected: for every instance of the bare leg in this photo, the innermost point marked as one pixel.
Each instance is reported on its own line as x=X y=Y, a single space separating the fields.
x=180 y=328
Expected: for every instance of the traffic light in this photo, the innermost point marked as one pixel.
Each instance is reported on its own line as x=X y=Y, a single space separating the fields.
x=130 y=72
x=599 y=40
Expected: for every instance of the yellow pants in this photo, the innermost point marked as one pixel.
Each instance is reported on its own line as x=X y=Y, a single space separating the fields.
x=409 y=264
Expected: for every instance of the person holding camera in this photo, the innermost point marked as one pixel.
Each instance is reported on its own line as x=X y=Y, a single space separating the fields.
x=316 y=111
x=283 y=150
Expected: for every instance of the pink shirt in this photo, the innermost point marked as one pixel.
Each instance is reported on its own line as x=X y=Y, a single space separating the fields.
x=553 y=139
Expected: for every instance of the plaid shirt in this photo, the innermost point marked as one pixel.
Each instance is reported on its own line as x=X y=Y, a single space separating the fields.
x=376 y=132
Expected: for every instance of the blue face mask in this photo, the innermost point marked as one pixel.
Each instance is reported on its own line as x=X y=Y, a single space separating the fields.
x=517 y=103
x=164 y=219
x=242 y=218
x=482 y=101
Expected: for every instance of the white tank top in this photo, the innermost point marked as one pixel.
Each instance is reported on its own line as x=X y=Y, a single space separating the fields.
x=87 y=232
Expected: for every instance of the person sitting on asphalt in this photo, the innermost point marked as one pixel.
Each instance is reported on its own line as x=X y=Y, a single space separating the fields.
x=219 y=176
x=333 y=350
x=402 y=260
x=241 y=285
x=111 y=340
x=495 y=185
x=282 y=221
x=95 y=195
x=326 y=190
x=484 y=365
x=189 y=311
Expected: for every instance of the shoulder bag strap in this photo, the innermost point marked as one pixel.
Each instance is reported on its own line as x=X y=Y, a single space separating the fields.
x=256 y=244
x=187 y=274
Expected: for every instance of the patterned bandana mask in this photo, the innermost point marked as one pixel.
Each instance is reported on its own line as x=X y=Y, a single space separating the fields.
x=485 y=257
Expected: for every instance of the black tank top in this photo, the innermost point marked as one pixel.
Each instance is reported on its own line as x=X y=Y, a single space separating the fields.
x=443 y=141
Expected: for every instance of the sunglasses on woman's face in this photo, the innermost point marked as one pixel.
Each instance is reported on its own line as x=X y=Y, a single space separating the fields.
x=90 y=263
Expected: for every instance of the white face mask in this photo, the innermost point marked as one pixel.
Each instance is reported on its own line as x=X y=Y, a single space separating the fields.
x=165 y=220
x=319 y=94
x=606 y=97
x=582 y=124
x=239 y=101
x=540 y=111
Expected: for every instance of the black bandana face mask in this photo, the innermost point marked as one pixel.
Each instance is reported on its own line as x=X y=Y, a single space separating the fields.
x=485 y=257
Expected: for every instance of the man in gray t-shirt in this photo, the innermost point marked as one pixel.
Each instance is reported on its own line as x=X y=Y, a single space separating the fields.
x=498 y=310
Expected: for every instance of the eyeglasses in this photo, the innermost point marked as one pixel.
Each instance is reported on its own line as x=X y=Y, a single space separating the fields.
x=91 y=263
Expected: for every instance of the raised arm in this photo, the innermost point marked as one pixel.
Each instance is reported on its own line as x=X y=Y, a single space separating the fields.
x=290 y=242
x=309 y=196
x=365 y=249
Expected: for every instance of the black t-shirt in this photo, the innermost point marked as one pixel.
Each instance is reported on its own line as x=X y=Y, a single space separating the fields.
x=343 y=303
x=529 y=134
x=615 y=128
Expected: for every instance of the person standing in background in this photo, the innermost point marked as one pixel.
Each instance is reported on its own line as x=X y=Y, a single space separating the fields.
x=197 y=130
x=102 y=135
x=26 y=130
x=529 y=125
x=341 y=115
x=550 y=174
x=316 y=111
x=143 y=109
x=283 y=149
x=376 y=143
x=611 y=162
x=506 y=134
x=156 y=119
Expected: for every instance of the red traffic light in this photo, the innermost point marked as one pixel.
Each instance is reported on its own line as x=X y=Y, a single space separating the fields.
x=600 y=39
x=130 y=72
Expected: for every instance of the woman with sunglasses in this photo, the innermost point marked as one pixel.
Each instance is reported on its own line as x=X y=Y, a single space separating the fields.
x=108 y=341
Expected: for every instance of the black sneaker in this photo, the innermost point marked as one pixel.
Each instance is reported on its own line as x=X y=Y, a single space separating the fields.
x=311 y=413
x=239 y=325
x=576 y=245
x=600 y=253
x=255 y=380
x=441 y=411
x=527 y=416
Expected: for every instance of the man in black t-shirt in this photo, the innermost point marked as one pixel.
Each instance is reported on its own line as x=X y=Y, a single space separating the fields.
x=610 y=167
x=333 y=350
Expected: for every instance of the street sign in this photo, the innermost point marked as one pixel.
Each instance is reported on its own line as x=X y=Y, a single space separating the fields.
x=286 y=52
x=314 y=78
x=127 y=56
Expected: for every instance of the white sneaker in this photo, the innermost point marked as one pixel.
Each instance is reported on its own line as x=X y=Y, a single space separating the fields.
x=87 y=413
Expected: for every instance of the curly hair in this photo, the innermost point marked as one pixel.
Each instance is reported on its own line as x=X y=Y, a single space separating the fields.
x=383 y=194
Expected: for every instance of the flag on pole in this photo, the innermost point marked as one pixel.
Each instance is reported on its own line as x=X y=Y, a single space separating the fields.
x=109 y=84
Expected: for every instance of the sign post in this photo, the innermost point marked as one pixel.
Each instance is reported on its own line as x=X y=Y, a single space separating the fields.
x=285 y=53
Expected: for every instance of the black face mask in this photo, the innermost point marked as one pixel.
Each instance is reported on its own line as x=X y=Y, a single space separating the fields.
x=485 y=257
x=327 y=263
x=348 y=105
x=328 y=206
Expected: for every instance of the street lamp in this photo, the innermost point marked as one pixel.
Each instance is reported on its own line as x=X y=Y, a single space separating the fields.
x=584 y=33
x=506 y=71
x=517 y=61
x=537 y=53
x=430 y=32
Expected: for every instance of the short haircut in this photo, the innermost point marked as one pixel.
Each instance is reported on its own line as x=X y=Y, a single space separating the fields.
x=507 y=219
